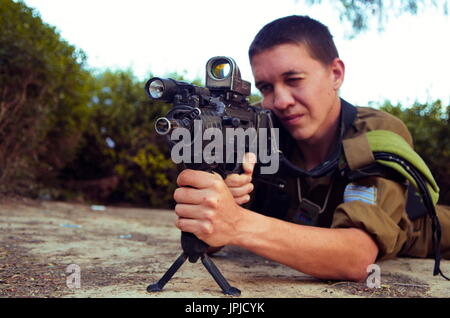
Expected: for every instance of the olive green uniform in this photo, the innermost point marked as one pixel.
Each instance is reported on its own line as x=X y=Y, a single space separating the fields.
x=383 y=215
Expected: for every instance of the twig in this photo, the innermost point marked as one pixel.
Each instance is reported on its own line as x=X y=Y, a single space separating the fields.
x=410 y=285
x=339 y=283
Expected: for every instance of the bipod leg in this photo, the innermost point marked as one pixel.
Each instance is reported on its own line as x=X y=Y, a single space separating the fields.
x=168 y=275
x=218 y=277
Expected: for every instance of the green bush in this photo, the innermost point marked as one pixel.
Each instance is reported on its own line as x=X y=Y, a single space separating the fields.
x=120 y=146
x=43 y=95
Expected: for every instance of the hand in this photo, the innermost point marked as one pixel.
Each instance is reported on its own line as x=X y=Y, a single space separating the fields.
x=240 y=184
x=206 y=207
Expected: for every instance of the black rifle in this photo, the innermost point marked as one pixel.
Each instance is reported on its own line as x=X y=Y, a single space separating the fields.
x=220 y=105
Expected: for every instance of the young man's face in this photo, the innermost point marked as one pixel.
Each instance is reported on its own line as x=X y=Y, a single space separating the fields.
x=300 y=90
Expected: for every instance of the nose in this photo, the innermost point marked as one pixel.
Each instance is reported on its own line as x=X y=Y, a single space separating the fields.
x=282 y=98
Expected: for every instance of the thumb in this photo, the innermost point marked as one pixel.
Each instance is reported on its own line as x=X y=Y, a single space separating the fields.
x=248 y=163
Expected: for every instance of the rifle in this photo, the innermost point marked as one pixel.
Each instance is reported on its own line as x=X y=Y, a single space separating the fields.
x=222 y=110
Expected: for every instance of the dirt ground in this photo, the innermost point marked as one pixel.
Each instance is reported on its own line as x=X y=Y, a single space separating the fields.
x=119 y=251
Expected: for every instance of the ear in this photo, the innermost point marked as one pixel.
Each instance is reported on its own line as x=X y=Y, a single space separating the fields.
x=337 y=73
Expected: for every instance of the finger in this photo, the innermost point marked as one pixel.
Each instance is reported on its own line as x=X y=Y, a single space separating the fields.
x=190 y=195
x=242 y=200
x=237 y=180
x=191 y=211
x=249 y=163
x=241 y=191
x=197 y=178
x=194 y=226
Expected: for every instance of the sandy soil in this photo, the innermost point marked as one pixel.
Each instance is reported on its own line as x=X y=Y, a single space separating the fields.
x=120 y=251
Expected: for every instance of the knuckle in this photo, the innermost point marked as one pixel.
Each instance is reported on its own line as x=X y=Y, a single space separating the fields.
x=211 y=201
x=207 y=228
x=209 y=215
x=217 y=184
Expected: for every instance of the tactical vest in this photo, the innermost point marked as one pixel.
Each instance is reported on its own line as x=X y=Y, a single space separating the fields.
x=380 y=154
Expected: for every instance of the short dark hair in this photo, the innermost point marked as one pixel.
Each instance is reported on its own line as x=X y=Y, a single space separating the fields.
x=296 y=30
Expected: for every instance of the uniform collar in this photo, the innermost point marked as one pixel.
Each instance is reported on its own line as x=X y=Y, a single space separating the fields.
x=346 y=119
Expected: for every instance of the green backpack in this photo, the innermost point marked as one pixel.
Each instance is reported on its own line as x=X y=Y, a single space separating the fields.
x=391 y=151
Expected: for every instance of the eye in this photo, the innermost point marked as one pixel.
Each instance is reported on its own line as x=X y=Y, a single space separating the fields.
x=294 y=80
x=265 y=88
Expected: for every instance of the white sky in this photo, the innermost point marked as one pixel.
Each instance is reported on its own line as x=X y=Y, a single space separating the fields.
x=409 y=61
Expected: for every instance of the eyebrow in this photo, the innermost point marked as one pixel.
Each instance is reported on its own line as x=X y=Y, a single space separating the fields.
x=259 y=83
x=285 y=74
x=292 y=72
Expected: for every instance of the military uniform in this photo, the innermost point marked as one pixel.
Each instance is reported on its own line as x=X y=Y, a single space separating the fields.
x=377 y=205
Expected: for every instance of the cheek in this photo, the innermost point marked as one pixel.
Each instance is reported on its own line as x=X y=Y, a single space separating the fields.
x=317 y=96
x=305 y=98
x=266 y=102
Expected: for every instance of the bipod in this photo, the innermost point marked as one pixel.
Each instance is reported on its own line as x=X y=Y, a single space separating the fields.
x=193 y=249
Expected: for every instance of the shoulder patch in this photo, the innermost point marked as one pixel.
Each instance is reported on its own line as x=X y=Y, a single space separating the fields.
x=364 y=194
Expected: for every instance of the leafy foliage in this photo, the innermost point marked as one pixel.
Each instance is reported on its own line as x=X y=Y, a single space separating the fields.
x=360 y=12
x=120 y=145
x=43 y=95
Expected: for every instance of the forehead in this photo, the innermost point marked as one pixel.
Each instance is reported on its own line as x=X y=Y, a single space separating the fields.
x=283 y=58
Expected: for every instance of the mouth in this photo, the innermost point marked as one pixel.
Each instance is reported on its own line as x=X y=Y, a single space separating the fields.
x=292 y=119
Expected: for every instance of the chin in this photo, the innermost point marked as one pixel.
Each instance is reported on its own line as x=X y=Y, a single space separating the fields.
x=301 y=134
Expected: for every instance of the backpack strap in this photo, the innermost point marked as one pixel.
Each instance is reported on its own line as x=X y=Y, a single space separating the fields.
x=393 y=158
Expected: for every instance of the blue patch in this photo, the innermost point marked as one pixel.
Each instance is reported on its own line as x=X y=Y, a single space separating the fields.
x=360 y=193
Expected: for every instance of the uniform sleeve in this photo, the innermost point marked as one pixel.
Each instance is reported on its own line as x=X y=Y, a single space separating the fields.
x=377 y=206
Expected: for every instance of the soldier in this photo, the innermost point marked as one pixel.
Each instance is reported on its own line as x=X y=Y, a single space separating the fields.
x=322 y=222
